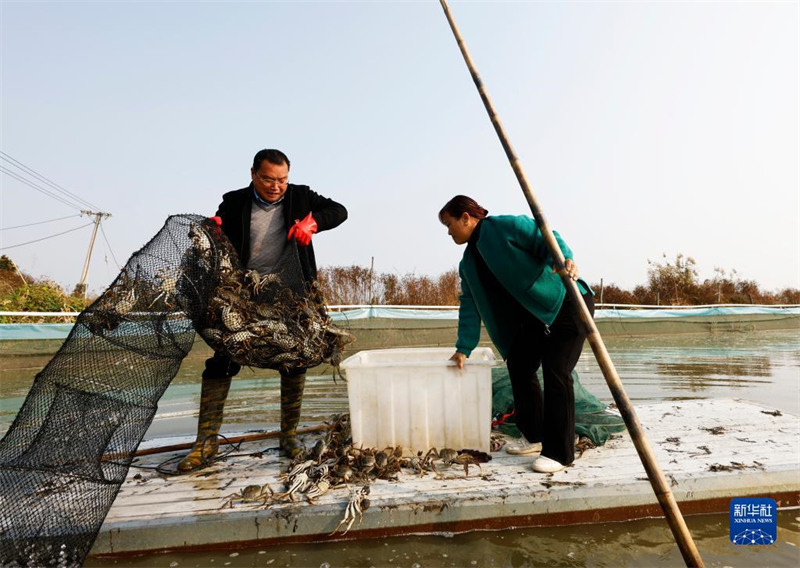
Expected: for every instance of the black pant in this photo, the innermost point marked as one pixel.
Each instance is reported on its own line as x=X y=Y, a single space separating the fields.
x=221 y=367
x=556 y=349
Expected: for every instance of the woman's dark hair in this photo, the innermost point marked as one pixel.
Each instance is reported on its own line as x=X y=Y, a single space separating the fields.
x=272 y=156
x=461 y=204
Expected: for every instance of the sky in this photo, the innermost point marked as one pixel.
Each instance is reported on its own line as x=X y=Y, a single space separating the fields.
x=645 y=128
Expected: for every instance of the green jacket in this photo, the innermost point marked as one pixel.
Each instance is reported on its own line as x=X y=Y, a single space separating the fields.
x=514 y=249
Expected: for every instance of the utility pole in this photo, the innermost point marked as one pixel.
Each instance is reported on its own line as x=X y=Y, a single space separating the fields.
x=371 y=275
x=80 y=289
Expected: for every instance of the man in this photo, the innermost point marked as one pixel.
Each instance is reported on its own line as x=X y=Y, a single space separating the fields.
x=266 y=221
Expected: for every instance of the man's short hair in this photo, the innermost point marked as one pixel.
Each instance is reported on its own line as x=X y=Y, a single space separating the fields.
x=272 y=156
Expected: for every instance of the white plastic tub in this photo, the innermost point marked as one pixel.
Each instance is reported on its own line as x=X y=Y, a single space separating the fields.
x=419 y=399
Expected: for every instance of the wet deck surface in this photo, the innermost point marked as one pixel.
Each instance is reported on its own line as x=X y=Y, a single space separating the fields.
x=709 y=450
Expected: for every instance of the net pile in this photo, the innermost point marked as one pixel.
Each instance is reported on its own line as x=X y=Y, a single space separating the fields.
x=273 y=321
x=67 y=452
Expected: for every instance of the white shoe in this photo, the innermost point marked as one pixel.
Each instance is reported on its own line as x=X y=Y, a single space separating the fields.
x=543 y=464
x=522 y=447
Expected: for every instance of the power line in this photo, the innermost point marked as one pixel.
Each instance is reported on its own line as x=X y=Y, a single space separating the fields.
x=50 y=237
x=102 y=231
x=37 y=188
x=40 y=177
x=66 y=197
x=38 y=223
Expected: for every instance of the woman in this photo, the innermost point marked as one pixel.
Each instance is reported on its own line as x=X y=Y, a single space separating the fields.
x=509 y=282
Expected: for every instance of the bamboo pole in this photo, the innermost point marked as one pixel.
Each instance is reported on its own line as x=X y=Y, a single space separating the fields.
x=225 y=440
x=663 y=493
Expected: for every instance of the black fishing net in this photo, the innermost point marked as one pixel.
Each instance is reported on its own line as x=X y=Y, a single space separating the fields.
x=66 y=454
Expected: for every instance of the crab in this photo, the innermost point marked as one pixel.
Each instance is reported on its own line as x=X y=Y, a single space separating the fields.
x=238 y=343
x=266 y=311
x=254 y=278
x=308 y=350
x=271 y=325
x=126 y=303
x=387 y=465
x=317 y=490
x=225 y=264
x=268 y=279
x=419 y=464
x=199 y=239
x=284 y=359
x=299 y=484
x=357 y=505
x=231 y=319
x=167 y=287
x=450 y=456
x=366 y=462
x=284 y=341
x=250 y=494
x=319 y=449
x=343 y=472
x=299 y=468
x=212 y=334
x=225 y=296
x=100 y=321
x=336 y=340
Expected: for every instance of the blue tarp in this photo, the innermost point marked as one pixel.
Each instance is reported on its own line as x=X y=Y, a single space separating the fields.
x=394 y=313
x=660 y=313
x=9 y=331
x=16 y=331
x=34 y=330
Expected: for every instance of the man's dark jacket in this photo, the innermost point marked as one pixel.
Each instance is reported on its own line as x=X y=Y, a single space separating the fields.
x=298 y=201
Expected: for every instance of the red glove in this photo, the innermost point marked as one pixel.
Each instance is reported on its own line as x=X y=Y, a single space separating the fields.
x=301 y=231
x=216 y=220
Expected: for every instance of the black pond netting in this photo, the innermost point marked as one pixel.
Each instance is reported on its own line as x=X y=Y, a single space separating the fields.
x=66 y=454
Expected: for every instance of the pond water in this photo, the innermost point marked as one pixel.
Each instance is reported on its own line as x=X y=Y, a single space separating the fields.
x=646 y=543
x=763 y=367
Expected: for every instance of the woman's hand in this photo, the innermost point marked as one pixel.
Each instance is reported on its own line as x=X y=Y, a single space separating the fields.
x=570 y=269
x=459 y=358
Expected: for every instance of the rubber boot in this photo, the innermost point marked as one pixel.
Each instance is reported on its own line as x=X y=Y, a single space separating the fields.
x=291 y=399
x=212 y=402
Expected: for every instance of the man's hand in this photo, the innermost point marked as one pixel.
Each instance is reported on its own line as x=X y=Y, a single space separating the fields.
x=459 y=358
x=301 y=231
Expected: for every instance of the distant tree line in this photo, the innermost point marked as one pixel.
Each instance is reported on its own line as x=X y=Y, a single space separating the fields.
x=358 y=285
x=669 y=283
x=676 y=283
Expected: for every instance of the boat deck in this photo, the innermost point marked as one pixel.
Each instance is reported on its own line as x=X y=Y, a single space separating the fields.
x=709 y=450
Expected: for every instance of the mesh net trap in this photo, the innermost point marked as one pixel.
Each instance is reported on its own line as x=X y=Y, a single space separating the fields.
x=69 y=449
